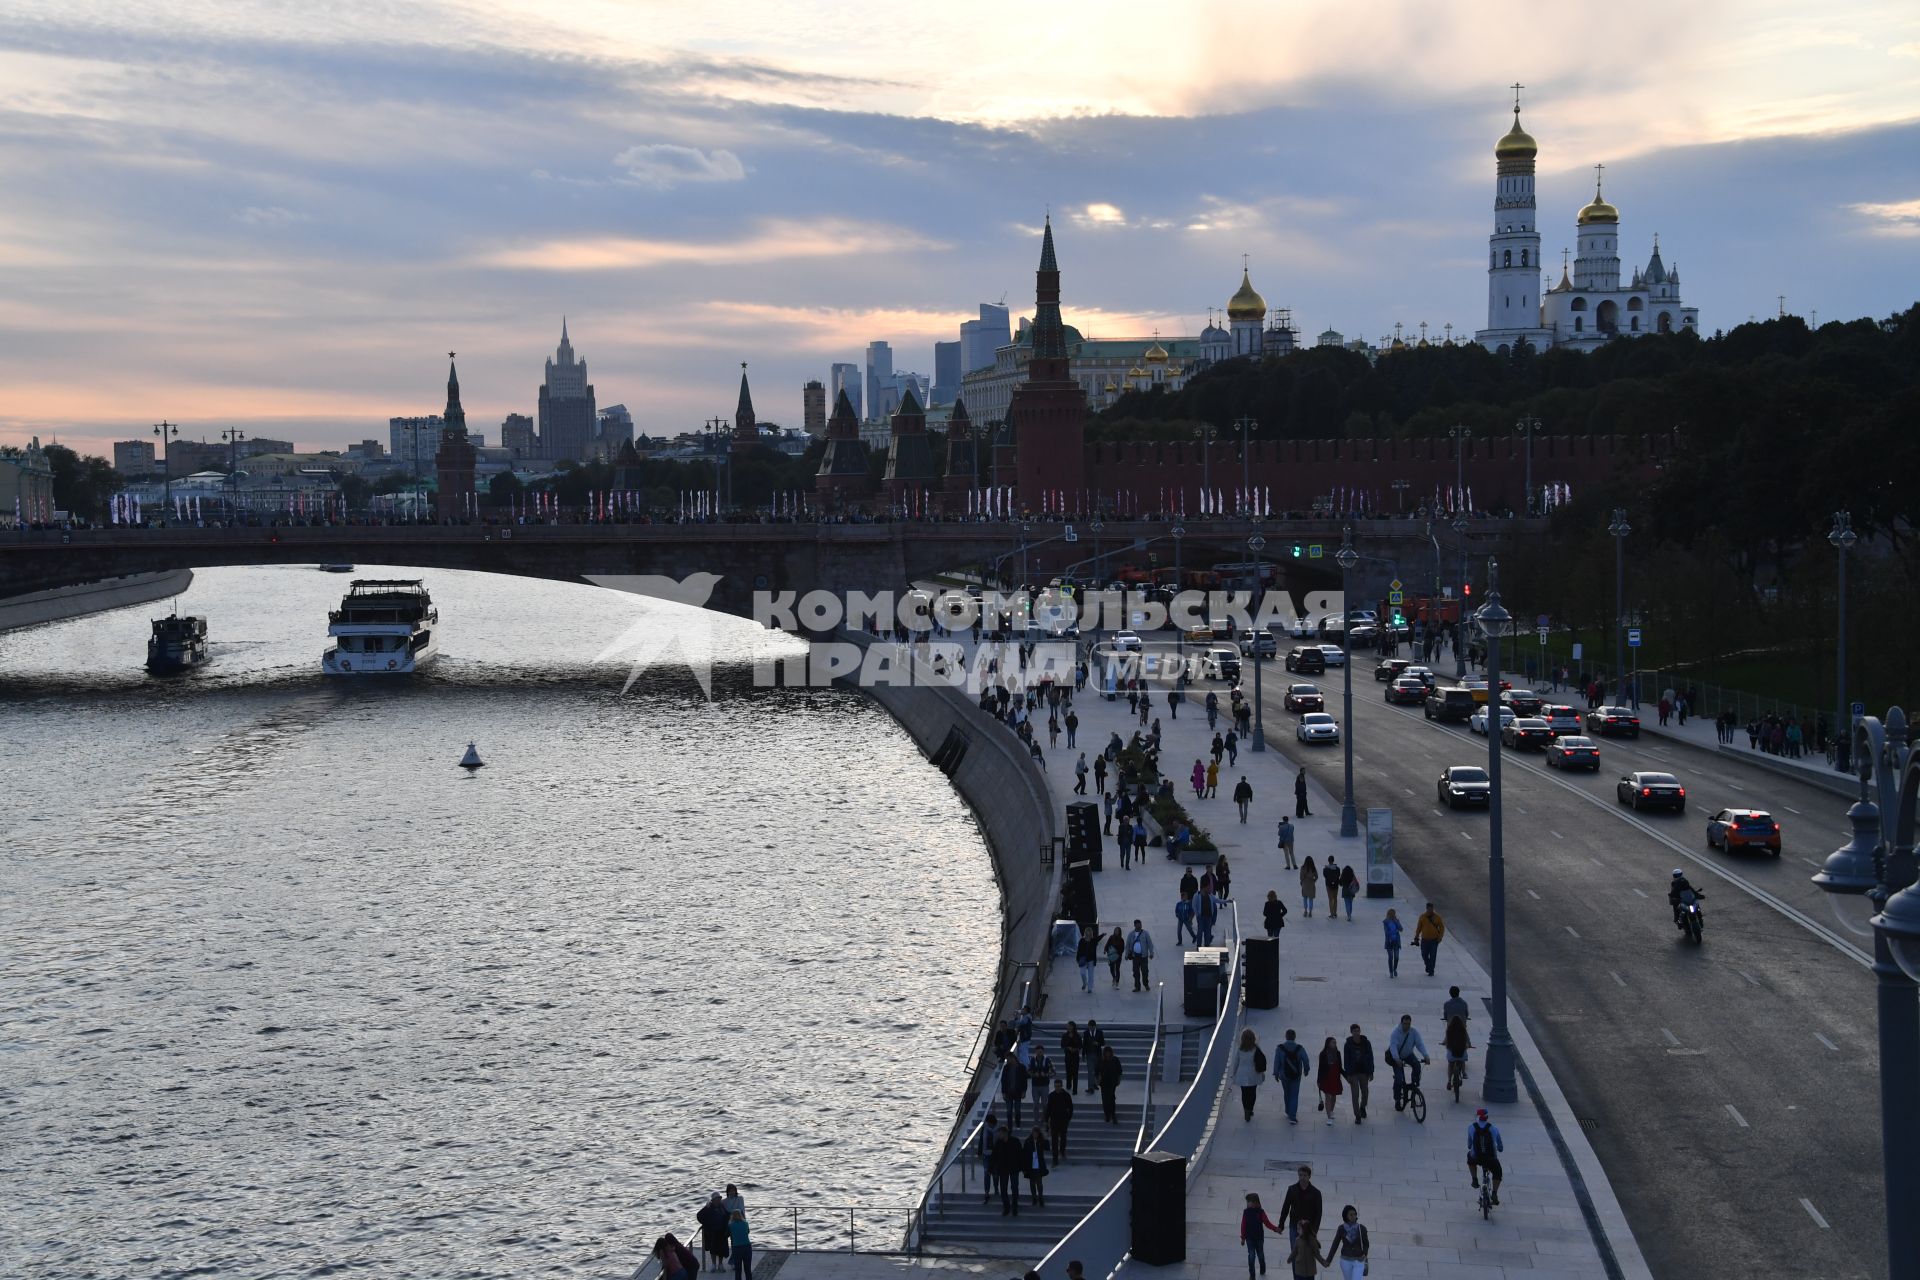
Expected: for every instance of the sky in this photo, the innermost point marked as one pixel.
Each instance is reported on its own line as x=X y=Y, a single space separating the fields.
x=281 y=216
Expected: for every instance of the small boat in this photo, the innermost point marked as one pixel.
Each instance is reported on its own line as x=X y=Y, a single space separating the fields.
x=472 y=760
x=382 y=627
x=176 y=644
x=336 y=568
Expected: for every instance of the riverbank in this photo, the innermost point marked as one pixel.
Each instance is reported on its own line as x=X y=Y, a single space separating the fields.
x=37 y=608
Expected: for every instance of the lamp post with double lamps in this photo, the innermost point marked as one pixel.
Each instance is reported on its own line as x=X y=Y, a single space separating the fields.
x=1460 y=627
x=1526 y=427
x=1179 y=636
x=1256 y=544
x=1347 y=557
x=167 y=431
x=1843 y=537
x=1619 y=528
x=233 y=436
x=1460 y=435
x=1494 y=622
x=1245 y=426
x=1205 y=433
x=1878 y=862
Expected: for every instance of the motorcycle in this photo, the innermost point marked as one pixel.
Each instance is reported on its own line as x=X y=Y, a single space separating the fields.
x=1691 y=919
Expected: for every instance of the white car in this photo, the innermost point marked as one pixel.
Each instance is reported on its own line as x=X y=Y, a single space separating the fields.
x=1478 y=720
x=1126 y=640
x=1336 y=656
x=1317 y=726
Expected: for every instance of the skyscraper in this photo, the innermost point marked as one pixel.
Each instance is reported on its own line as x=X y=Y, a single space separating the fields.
x=844 y=380
x=979 y=339
x=879 y=373
x=813 y=408
x=568 y=422
x=946 y=372
x=516 y=434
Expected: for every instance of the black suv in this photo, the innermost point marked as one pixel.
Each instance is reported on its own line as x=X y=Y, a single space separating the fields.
x=1307 y=661
x=1450 y=704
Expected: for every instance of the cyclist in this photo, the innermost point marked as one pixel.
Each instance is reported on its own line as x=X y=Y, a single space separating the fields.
x=1456 y=1041
x=1405 y=1052
x=1483 y=1151
x=1675 y=888
x=1455 y=1007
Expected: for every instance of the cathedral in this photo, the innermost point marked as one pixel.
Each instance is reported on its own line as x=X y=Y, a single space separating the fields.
x=1589 y=306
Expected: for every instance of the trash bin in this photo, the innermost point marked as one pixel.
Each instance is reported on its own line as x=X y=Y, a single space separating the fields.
x=1159 y=1212
x=1262 y=958
x=1200 y=984
x=1083 y=833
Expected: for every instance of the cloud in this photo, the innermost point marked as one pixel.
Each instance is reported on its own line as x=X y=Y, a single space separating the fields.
x=776 y=240
x=666 y=164
x=1897 y=218
x=269 y=215
x=1100 y=214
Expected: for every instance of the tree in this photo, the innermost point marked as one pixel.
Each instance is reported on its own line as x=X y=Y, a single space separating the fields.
x=504 y=490
x=82 y=486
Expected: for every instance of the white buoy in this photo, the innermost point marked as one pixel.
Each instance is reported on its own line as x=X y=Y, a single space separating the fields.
x=472 y=760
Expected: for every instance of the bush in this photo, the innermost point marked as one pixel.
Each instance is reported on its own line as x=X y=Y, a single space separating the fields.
x=1137 y=767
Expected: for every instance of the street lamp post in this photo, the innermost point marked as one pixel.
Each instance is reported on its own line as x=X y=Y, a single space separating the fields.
x=1347 y=557
x=1497 y=1082
x=1619 y=528
x=1843 y=537
x=1460 y=627
x=1526 y=427
x=1256 y=544
x=1460 y=436
x=233 y=436
x=1245 y=426
x=1878 y=862
x=1179 y=637
x=166 y=431
x=1205 y=433
x=1400 y=488
x=1026 y=528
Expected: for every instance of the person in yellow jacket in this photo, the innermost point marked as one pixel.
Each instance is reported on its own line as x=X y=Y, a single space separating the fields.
x=1427 y=931
x=1213 y=779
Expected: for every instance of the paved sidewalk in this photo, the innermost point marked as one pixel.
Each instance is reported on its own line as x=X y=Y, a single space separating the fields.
x=1408 y=1181
x=1700 y=732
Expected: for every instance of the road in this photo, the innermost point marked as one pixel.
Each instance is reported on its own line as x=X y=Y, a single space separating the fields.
x=1730 y=1089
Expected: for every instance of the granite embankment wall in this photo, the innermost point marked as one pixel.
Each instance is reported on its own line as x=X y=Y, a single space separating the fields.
x=58 y=605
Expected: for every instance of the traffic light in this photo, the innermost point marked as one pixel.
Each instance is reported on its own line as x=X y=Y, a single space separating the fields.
x=1296 y=551
x=1466 y=588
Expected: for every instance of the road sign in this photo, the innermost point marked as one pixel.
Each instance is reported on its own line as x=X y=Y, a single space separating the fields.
x=1633 y=638
x=1543 y=637
x=1395 y=585
x=1313 y=551
x=1859 y=709
x=1542 y=621
x=1069 y=535
x=1578 y=651
x=1396 y=597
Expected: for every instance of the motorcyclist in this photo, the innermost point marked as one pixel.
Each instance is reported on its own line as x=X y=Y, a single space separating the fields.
x=1677 y=887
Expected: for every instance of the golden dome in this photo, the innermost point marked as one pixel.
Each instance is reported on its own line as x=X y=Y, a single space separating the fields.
x=1137 y=372
x=1246 y=304
x=1516 y=143
x=1156 y=352
x=1598 y=211
x=1111 y=389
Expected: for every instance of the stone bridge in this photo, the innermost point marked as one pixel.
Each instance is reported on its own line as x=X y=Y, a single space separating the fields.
x=753 y=557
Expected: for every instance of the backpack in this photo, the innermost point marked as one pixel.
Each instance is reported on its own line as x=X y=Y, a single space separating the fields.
x=1294 y=1063
x=1259 y=1060
x=1483 y=1142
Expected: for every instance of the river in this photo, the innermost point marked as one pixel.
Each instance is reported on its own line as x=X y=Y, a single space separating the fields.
x=286 y=993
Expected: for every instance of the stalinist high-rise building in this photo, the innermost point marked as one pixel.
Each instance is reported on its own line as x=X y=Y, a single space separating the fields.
x=568 y=420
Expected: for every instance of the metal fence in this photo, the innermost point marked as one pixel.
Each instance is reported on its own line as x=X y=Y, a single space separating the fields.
x=816 y=1228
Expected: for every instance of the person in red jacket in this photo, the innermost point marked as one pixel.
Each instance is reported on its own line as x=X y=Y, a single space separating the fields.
x=1254 y=1225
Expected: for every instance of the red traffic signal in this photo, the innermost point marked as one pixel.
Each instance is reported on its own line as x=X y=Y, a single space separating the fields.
x=1466 y=589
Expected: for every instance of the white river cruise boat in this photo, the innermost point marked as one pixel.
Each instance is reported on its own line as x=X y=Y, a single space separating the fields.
x=382 y=627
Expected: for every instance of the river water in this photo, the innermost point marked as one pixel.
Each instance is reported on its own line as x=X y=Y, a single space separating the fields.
x=285 y=993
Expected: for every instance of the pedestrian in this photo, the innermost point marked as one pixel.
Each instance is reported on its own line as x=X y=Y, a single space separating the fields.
x=1351 y=1244
x=1357 y=1066
x=1213 y=709
x=1060 y=1114
x=1284 y=836
x=1331 y=874
x=1039 y=1078
x=1139 y=839
x=1126 y=847
x=1329 y=1076
x=1406 y=1053
x=1392 y=927
x=1006 y=1170
x=1349 y=889
x=1073 y=727
x=1223 y=879
x=1233 y=748
x=1116 y=951
x=1199 y=780
x=1173 y=704
x=1249 y=1069
x=1206 y=913
x=1013 y=1087
x=676 y=1260
x=1183 y=922
x=1100 y=771
x=1301 y=1209
x=1254 y=1225
x=1309 y=884
x=713 y=1218
x=1086 y=954
x=1290 y=1067
x=742 y=1247
x=1273 y=914
x=1080 y=775
x=1106 y=804
x=1092 y=1042
x=1110 y=1074
x=1033 y=1162
x=1243 y=796
x=1304 y=1257
x=1213 y=779
x=1070 y=1040
x=1300 y=794
x=1427 y=931
x=1140 y=952
x=735 y=1202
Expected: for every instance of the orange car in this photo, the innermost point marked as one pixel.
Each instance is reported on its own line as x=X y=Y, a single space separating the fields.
x=1732 y=829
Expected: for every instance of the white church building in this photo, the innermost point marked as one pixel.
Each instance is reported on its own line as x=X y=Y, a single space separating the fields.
x=1588 y=307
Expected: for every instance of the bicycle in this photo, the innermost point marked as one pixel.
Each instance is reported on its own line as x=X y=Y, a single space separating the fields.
x=1486 y=1195
x=1415 y=1101
x=1456 y=1075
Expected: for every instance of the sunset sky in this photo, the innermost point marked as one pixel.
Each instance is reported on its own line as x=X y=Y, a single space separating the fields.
x=281 y=215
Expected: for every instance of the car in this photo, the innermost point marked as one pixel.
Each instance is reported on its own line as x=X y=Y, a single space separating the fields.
x=1646 y=790
x=1732 y=829
x=1524 y=732
x=1449 y=704
x=1302 y=627
x=1525 y=702
x=1364 y=635
x=1406 y=689
x=1126 y=640
x=1479 y=720
x=1465 y=784
x=1307 y=660
x=1571 y=751
x=1263 y=641
x=1477 y=687
x=1608 y=721
x=1304 y=697
x=1426 y=676
x=1317 y=726
x=1335 y=655
x=1199 y=635
x=1561 y=719
x=1390 y=669
x=1221 y=662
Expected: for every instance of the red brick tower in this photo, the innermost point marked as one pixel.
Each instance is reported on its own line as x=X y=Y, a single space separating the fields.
x=456 y=460
x=1049 y=410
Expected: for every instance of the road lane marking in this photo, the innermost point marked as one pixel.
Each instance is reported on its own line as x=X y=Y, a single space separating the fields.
x=1742 y=1122
x=1823 y=1040
x=1570 y=929
x=1595 y=861
x=1733 y=786
x=1518 y=809
x=1749 y=977
x=1671 y=1038
x=1617 y=978
x=1533 y=895
x=1408 y=790
x=1438 y=814
x=1813 y=1213
x=1467 y=835
x=1555 y=834
x=1789 y=808
x=1641 y=892
x=1810 y=862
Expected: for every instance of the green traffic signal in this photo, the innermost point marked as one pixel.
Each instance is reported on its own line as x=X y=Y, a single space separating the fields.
x=1296 y=551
